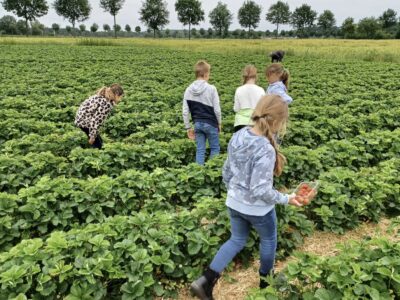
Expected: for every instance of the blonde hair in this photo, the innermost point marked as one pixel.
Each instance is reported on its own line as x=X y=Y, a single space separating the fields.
x=270 y=118
x=249 y=72
x=111 y=92
x=278 y=69
x=201 y=69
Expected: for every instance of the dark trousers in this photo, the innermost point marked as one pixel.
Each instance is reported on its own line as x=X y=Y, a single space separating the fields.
x=237 y=128
x=98 y=142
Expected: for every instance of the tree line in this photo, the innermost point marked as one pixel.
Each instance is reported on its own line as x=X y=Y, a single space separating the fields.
x=304 y=21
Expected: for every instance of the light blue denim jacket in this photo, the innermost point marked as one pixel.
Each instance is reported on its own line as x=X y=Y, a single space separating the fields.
x=248 y=174
x=278 y=88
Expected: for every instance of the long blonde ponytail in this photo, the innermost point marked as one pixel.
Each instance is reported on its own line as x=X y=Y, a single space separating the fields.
x=270 y=118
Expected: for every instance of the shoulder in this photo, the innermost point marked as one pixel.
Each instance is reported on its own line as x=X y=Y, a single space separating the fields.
x=90 y=101
x=104 y=101
x=240 y=89
x=256 y=89
x=260 y=90
x=264 y=149
x=211 y=87
x=275 y=87
x=187 y=91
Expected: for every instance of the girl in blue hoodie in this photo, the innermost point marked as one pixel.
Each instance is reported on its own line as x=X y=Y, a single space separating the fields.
x=278 y=79
x=248 y=173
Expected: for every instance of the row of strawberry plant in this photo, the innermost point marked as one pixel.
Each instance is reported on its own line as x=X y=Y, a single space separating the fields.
x=154 y=112
x=300 y=132
x=321 y=130
x=355 y=106
x=18 y=171
x=18 y=128
x=128 y=257
x=37 y=105
x=345 y=199
x=55 y=204
x=303 y=133
x=366 y=269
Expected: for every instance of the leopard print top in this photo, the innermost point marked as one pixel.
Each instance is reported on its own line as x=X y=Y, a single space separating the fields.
x=92 y=113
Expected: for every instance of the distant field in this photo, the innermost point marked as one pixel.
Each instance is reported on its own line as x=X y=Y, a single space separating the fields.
x=138 y=219
x=366 y=50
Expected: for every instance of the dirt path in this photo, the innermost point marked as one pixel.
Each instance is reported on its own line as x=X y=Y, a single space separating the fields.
x=241 y=281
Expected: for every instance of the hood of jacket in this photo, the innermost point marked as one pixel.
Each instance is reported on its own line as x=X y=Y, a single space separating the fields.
x=244 y=144
x=198 y=87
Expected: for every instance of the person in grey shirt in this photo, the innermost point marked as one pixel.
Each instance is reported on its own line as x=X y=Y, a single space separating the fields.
x=253 y=161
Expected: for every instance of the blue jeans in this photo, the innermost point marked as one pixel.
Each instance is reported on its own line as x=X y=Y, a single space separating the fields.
x=240 y=228
x=204 y=132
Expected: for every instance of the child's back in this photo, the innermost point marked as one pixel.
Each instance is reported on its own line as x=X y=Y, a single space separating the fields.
x=279 y=88
x=201 y=100
x=278 y=78
x=203 y=104
x=246 y=98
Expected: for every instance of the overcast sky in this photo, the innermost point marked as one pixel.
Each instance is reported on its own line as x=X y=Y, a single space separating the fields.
x=129 y=14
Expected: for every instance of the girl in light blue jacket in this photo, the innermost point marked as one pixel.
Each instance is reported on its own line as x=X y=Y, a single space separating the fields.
x=253 y=161
x=278 y=79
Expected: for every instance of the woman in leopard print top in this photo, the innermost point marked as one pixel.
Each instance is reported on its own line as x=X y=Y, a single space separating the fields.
x=93 y=112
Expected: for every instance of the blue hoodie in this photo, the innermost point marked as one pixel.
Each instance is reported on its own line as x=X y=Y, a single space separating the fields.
x=248 y=174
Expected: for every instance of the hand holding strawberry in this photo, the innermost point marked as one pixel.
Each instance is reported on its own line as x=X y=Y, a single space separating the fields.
x=294 y=200
x=305 y=193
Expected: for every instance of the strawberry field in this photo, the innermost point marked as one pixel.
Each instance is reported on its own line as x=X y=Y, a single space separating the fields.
x=138 y=219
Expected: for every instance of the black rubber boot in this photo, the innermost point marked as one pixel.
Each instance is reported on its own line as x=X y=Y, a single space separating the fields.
x=203 y=286
x=263 y=281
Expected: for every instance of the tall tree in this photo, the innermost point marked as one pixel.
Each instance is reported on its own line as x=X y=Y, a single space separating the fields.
x=138 y=29
x=221 y=18
x=117 y=28
x=189 y=12
x=56 y=28
x=37 y=28
x=154 y=14
x=21 y=27
x=348 y=28
x=279 y=13
x=94 y=28
x=27 y=9
x=82 y=28
x=303 y=18
x=73 y=10
x=106 y=27
x=113 y=7
x=388 y=19
x=202 y=32
x=249 y=15
x=368 y=27
x=128 y=28
x=326 y=21
x=8 y=25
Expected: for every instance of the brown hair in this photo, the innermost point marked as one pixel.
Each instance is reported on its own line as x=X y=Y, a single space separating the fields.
x=201 y=69
x=283 y=73
x=270 y=118
x=249 y=72
x=111 y=92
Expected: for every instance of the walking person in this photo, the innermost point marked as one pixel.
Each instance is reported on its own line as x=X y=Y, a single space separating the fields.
x=253 y=161
x=201 y=101
x=246 y=98
x=278 y=78
x=93 y=112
